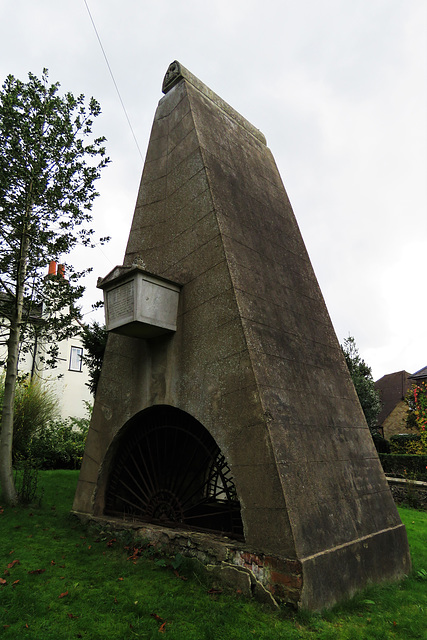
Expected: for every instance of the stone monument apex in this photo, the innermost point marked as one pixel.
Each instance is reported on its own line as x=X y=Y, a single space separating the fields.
x=225 y=410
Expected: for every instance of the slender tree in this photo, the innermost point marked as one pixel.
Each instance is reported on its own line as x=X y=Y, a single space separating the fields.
x=49 y=161
x=361 y=374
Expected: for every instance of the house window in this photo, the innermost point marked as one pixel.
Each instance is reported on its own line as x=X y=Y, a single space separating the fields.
x=76 y=359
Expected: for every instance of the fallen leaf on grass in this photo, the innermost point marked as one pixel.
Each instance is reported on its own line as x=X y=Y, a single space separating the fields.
x=162 y=628
x=52 y=562
x=214 y=591
x=156 y=617
x=178 y=576
x=135 y=555
x=3 y=581
x=12 y=564
x=37 y=571
x=111 y=542
x=120 y=579
x=63 y=594
x=14 y=583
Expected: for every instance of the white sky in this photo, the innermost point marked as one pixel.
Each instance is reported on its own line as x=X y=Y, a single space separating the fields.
x=338 y=87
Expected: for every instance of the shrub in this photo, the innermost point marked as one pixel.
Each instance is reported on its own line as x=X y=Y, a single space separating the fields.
x=35 y=406
x=416 y=399
x=381 y=444
x=402 y=466
x=60 y=445
x=406 y=443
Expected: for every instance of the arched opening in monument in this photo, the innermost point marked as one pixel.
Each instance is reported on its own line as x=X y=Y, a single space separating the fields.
x=168 y=470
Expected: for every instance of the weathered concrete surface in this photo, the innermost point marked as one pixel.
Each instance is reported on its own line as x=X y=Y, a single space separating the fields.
x=254 y=359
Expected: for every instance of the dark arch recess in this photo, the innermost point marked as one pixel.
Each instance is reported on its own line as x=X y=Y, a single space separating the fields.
x=168 y=470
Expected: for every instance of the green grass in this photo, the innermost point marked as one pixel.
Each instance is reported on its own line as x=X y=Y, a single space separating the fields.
x=107 y=596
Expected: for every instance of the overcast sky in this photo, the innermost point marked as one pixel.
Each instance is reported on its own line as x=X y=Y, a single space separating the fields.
x=339 y=88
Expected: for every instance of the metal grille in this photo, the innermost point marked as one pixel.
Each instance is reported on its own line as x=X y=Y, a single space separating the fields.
x=168 y=470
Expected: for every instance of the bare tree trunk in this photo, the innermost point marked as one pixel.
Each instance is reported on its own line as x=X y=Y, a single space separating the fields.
x=6 y=474
x=9 y=493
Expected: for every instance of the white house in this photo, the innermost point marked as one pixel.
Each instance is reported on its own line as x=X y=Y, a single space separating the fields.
x=68 y=379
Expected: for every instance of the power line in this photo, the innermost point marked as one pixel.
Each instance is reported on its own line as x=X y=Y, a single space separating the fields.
x=114 y=82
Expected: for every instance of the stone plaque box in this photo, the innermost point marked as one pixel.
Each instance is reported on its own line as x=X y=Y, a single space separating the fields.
x=138 y=303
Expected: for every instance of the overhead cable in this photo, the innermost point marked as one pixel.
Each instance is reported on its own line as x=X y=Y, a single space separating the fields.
x=112 y=77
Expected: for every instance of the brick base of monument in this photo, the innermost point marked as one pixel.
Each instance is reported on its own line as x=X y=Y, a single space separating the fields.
x=267 y=578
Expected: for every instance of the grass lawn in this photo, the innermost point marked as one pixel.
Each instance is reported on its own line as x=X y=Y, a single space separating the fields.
x=63 y=581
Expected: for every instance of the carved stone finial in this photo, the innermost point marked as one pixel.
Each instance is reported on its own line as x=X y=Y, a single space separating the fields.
x=173 y=74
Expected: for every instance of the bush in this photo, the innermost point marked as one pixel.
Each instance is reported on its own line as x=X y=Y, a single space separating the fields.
x=60 y=445
x=406 y=443
x=403 y=466
x=40 y=439
x=35 y=406
x=381 y=444
x=416 y=399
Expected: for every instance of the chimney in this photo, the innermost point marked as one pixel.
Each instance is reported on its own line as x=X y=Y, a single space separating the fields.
x=61 y=270
x=52 y=268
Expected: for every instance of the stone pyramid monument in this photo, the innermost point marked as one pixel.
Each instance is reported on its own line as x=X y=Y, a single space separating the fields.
x=225 y=411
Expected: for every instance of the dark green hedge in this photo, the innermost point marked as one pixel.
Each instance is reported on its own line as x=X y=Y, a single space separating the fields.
x=404 y=466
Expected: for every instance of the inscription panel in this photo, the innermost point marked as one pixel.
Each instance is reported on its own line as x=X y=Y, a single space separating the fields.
x=120 y=301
